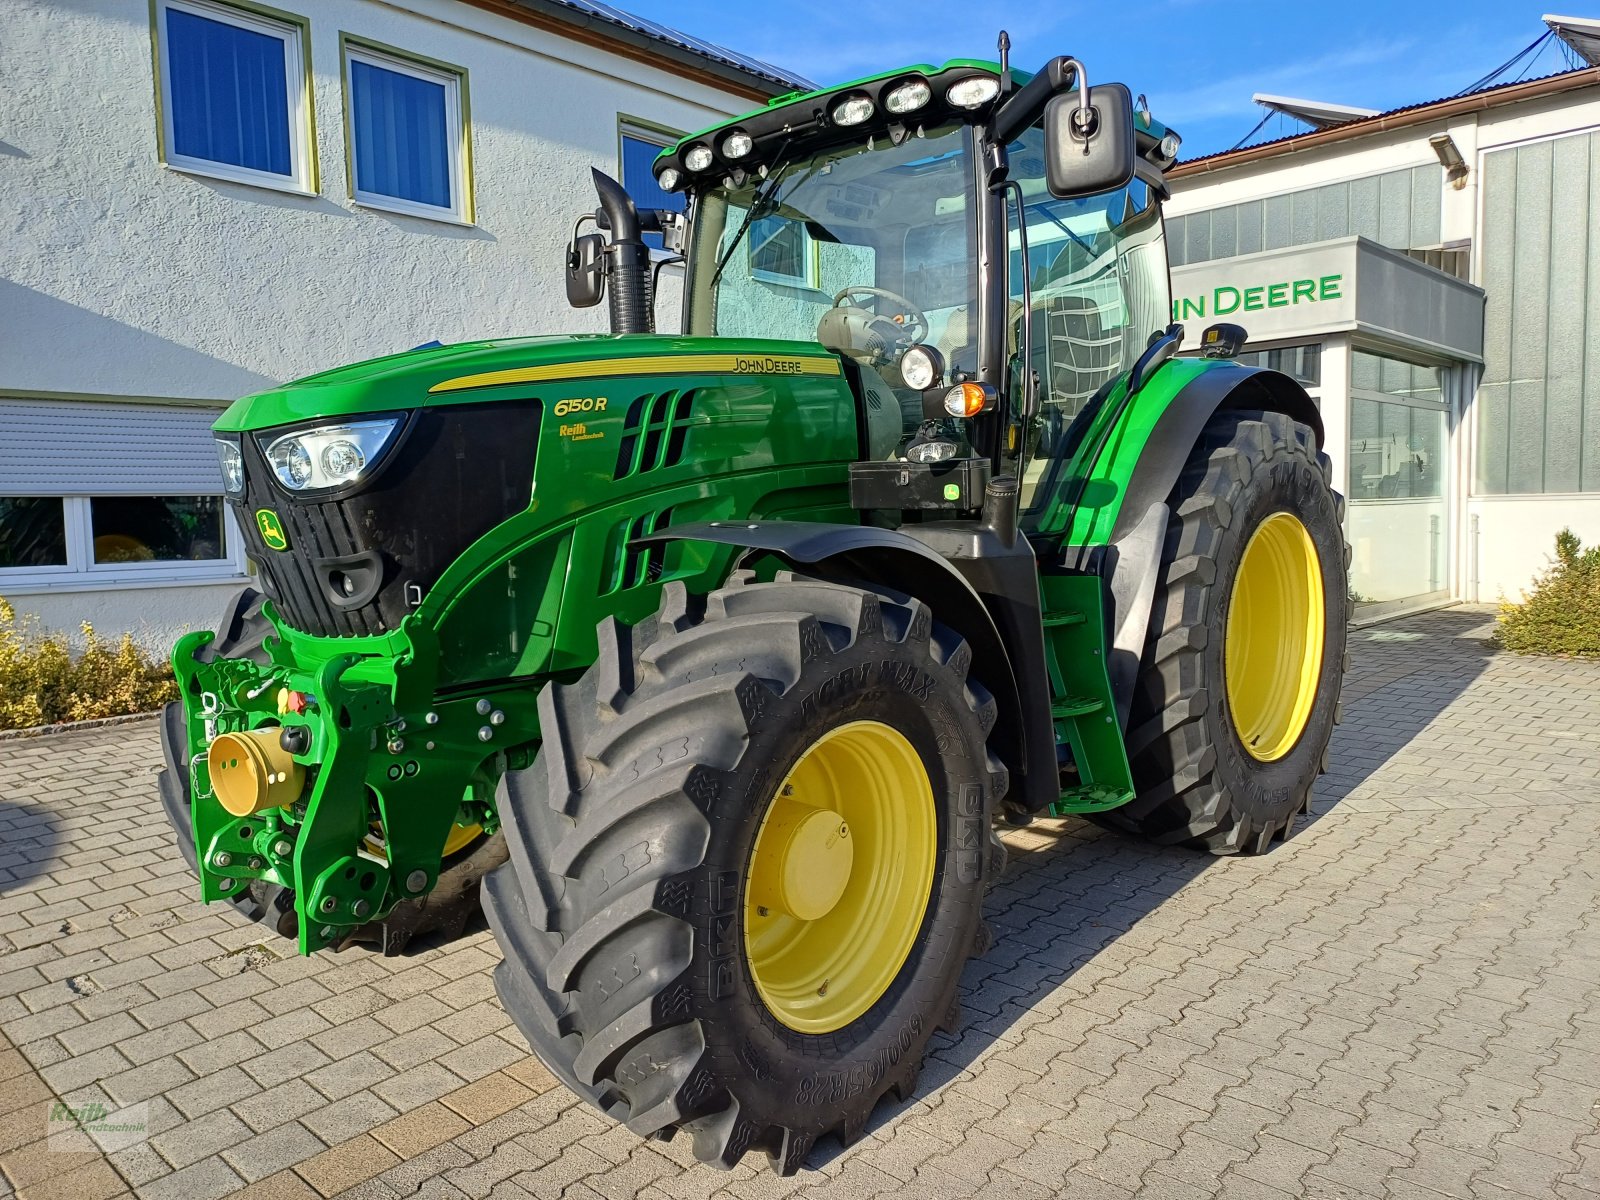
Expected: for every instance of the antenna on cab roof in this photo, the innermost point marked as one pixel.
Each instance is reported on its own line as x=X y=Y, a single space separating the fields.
x=1005 y=62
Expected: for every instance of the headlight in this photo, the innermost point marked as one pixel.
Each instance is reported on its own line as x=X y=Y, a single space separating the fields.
x=329 y=456
x=232 y=462
x=932 y=452
x=974 y=92
x=668 y=179
x=853 y=110
x=697 y=158
x=1170 y=145
x=908 y=97
x=921 y=367
x=737 y=144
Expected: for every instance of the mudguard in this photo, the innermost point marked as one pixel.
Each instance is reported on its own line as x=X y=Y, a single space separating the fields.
x=1119 y=531
x=989 y=592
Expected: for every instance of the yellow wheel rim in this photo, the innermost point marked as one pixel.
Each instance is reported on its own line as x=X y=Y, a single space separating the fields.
x=459 y=838
x=840 y=877
x=1272 y=649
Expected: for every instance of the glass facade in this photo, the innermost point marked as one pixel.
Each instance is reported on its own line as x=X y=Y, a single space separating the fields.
x=1399 y=209
x=1398 y=456
x=1538 y=403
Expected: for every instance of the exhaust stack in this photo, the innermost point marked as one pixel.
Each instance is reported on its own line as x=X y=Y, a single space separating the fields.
x=631 y=305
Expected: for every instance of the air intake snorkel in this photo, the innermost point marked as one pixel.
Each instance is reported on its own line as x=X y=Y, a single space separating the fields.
x=631 y=306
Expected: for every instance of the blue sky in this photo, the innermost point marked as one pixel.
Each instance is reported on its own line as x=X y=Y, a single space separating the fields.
x=1198 y=61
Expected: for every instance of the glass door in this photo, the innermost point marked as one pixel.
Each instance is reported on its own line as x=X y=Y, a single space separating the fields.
x=1399 y=522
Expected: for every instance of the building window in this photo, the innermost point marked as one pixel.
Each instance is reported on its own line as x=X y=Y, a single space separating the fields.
x=408 y=134
x=140 y=529
x=781 y=251
x=133 y=496
x=640 y=144
x=232 y=91
x=33 y=532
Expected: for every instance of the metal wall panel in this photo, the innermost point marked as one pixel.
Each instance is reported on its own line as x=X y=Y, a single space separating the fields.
x=82 y=447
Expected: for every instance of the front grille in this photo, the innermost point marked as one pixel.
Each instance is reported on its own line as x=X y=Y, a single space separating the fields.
x=357 y=564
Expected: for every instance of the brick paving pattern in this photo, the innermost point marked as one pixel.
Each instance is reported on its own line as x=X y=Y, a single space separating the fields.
x=1398 y=1003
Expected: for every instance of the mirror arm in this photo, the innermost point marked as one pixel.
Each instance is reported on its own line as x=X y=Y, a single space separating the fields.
x=1030 y=387
x=1024 y=105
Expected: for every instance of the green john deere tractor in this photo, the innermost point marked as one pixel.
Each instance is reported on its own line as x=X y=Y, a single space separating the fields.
x=713 y=660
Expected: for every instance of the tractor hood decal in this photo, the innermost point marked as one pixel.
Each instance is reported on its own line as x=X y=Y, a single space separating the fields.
x=653 y=364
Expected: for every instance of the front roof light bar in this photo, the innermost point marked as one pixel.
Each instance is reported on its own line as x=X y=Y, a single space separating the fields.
x=894 y=104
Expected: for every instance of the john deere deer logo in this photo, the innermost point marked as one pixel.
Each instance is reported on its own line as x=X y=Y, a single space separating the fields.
x=271 y=529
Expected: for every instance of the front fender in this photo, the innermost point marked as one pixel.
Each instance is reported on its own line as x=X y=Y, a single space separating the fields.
x=897 y=561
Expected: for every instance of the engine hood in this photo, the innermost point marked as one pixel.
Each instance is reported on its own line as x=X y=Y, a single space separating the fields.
x=484 y=371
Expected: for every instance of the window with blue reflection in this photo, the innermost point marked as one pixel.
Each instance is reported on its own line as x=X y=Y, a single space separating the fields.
x=228 y=94
x=400 y=125
x=637 y=155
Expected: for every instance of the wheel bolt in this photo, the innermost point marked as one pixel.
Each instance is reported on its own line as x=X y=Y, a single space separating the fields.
x=221 y=859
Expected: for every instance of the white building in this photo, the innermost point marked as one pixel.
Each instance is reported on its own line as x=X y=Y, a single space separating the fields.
x=208 y=197
x=1433 y=275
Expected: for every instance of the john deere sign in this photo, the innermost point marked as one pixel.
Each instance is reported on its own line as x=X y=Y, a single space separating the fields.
x=1348 y=285
x=1227 y=299
x=1299 y=290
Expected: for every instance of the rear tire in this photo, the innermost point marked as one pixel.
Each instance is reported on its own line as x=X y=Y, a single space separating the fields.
x=624 y=910
x=1197 y=780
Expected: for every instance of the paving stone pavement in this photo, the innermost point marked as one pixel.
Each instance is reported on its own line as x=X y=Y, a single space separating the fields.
x=1400 y=1002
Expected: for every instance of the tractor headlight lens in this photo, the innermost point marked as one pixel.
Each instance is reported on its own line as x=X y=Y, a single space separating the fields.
x=853 y=110
x=737 y=144
x=697 y=158
x=668 y=179
x=931 y=452
x=1170 y=145
x=231 y=460
x=908 y=97
x=974 y=92
x=920 y=367
x=329 y=456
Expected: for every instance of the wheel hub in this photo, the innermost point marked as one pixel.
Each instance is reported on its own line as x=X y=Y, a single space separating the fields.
x=840 y=877
x=813 y=855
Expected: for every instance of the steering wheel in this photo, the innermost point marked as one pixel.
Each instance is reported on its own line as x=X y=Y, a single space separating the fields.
x=913 y=323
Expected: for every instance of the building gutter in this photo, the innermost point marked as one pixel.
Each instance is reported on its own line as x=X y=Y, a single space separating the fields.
x=630 y=43
x=1387 y=122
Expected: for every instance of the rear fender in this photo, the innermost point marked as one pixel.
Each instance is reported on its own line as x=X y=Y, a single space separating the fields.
x=901 y=563
x=1122 y=540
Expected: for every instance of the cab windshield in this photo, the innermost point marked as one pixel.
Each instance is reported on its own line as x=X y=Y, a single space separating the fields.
x=895 y=220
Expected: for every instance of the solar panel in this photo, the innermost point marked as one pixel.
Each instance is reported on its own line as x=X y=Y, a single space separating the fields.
x=685 y=41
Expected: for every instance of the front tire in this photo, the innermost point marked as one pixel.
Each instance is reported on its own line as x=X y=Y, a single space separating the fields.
x=1239 y=684
x=660 y=854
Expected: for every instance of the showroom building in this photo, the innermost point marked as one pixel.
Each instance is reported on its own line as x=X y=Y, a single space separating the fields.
x=209 y=197
x=1432 y=275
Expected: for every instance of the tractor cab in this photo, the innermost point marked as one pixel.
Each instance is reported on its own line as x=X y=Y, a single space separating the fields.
x=936 y=228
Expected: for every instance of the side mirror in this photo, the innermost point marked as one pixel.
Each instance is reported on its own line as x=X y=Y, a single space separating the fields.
x=1089 y=145
x=586 y=280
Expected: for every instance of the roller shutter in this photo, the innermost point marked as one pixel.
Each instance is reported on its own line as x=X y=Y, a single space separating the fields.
x=97 y=448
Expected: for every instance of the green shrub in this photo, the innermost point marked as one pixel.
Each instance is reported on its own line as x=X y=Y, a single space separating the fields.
x=43 y=682
x=1562 y=613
